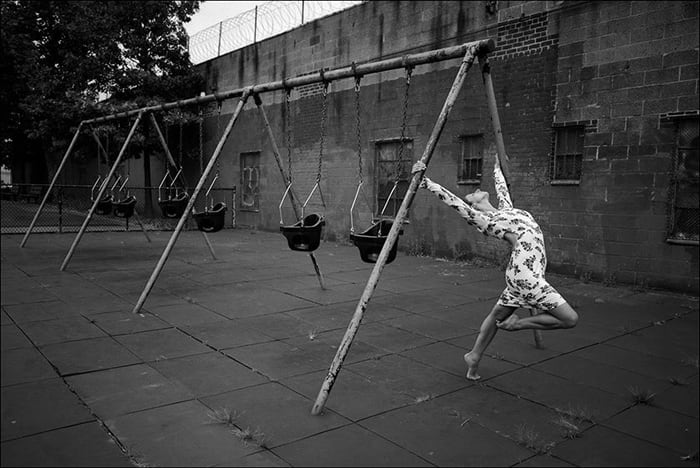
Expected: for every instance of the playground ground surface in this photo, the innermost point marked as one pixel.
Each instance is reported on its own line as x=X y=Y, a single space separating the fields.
x=225 y=360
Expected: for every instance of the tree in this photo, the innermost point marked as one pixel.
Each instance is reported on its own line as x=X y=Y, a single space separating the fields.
x=58 y=57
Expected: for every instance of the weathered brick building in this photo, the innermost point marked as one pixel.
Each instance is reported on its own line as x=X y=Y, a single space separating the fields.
x=598 y=103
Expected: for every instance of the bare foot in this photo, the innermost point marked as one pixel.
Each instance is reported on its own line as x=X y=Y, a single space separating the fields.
x=509 y=324
x=472 y=366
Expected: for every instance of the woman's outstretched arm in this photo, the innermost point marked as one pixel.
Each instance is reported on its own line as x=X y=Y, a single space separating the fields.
x=502 y=192
x=473 y=217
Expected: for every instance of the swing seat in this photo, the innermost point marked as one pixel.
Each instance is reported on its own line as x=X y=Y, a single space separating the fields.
x=371 y=241
x=174 y=207
x=305 y=235
x=124 y=208
x=104 y=206
x=212 y=220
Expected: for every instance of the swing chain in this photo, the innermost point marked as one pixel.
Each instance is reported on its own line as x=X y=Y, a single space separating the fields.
x=201 y=141
x=288 y=92
x=179 y=148
x=409 y=71
x=324 y=111
x=357 y=126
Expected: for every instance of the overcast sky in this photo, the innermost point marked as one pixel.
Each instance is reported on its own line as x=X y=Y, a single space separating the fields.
x=212 y=12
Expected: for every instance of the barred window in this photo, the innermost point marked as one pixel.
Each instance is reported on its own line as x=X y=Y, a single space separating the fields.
x=472 y=159
x=683 y=200
x=568 y=155
x=392 y=167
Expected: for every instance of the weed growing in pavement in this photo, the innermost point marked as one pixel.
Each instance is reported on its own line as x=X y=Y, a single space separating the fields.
x=570 y=430
x=676 y=381
x=228 y=418
x=529 y=438
x=578 y=414
x=641 y=396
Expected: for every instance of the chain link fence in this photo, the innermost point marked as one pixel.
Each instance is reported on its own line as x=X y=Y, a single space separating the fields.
x=68 y=205
x=266 y=20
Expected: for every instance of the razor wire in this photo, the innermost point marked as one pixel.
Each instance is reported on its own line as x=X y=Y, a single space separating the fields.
x=267 y=20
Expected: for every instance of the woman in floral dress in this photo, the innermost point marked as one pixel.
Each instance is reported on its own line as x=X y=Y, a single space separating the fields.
x=526 y=286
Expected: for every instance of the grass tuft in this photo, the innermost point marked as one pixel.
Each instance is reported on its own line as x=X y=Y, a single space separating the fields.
x=570 y=430
x=577 y=413
x=529 y=438
x=641 y=396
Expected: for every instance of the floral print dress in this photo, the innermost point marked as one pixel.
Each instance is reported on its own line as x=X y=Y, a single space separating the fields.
x=525 y=283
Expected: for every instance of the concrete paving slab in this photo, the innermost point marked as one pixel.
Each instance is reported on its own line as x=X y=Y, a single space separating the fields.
x=583 y=368
x=390 y=338
x=106 y=303
x=426 y=326
x=24 y=365
x=663 y=427
x=345 y=441
x=35 y=311
x=250 y=302
x=504 y=347
x=601 y=446
x=208 y=374
x=13 y=337
x=4 y=318
x=281 y=325
x=603 y=376
x=86 y=444
x=181 y=434
x=334 y=294
x=650 y=341
x=354 y=396
x=544 y=461
x=185 y=313
x=61 y=330
x=681 y=397
x=225 y=334
x=529 y=424
x=35 y=407
x=88 y=355
x=123 y=390
x=325 y=318
x=156 y=345
x=558 y=393
x=639 y=362
x=24 y=295
x=450 y=358
x=124 y=323
x=440 y=438
x=278 y=413
x=280 y=359
x=403 y=375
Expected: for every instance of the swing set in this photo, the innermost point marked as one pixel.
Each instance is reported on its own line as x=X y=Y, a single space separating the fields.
x=385 y=231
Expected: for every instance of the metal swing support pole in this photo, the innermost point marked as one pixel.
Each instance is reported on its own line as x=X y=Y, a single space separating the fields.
x=500 y=147
x=190 y=203
x=53 y=182
x=99 y=195
x=292 y=196
x=473 y=50
x=171 y=160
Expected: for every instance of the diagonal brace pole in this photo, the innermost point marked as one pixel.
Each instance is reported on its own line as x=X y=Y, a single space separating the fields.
x=53 y=182
x=292 y=196
x=190 y=203
x=99 y=195
x=354 y=325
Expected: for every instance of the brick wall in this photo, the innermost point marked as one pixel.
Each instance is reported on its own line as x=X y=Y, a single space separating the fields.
x=623 y=65
x=614 y=66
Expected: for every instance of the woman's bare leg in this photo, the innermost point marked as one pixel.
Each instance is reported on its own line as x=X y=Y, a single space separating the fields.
x=486 y=333
x=562 y=316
